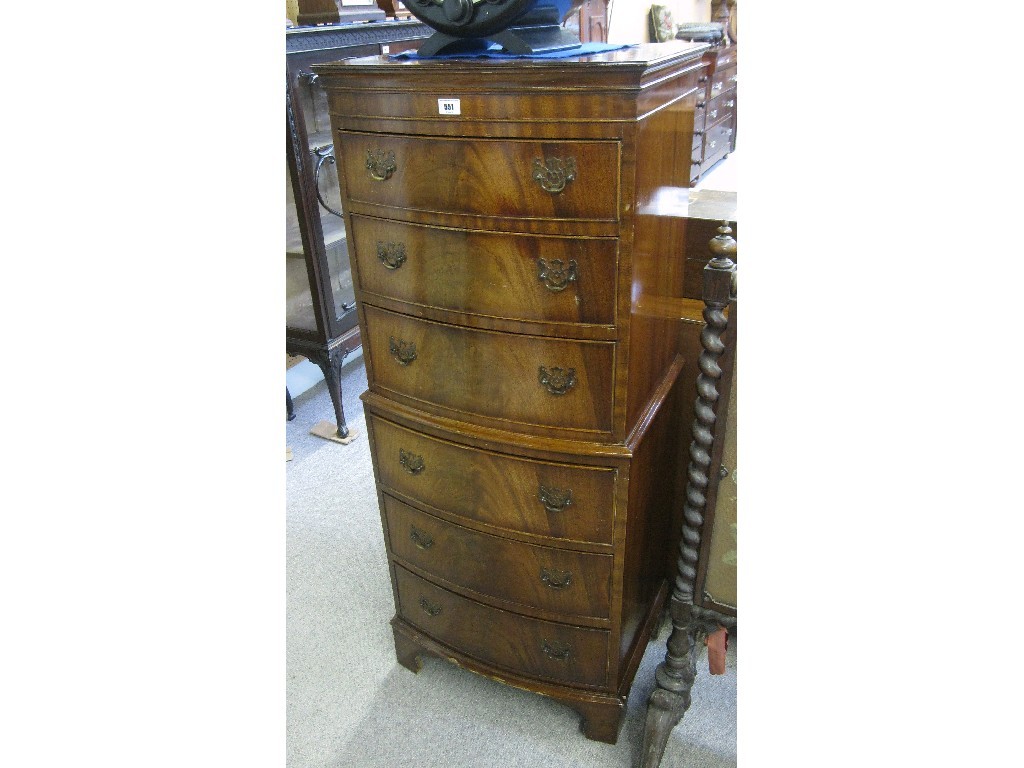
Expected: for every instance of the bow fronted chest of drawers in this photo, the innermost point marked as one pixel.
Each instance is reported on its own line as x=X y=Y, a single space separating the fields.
x=522 y=356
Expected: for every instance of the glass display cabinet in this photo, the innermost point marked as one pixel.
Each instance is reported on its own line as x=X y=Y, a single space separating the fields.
x=320 y=310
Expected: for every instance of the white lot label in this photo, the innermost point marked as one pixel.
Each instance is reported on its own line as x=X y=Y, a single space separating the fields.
x=449 y=107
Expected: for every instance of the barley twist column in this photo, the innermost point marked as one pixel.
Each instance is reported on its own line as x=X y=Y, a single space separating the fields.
x=674 y=678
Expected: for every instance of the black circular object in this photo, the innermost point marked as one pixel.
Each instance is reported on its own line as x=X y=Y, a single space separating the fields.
x=480 y=18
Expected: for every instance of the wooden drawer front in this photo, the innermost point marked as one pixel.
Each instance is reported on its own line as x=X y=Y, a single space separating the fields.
x=520 y=277
x=726 y=57
x=561 y=501
x=502 y=376
x=491 y=177
x=722 y=81
x=721 y=108
x=718 y=144
x=543 y=577
x=531 y=647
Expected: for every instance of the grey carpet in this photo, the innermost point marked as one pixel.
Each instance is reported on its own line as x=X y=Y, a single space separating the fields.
x=348 y=701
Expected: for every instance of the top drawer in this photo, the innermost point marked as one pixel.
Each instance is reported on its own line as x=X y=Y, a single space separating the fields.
x=726 y=56
x=489 y=177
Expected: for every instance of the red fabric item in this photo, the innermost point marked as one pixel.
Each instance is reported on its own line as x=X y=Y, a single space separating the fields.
x=717 y=643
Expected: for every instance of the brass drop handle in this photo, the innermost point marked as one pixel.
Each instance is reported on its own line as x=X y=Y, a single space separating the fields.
x=380 y=164
x=554 y=173
x=556 y=579
x=410 y=462
x=714 y=114
x=555 y=650
x=554 y=499
x=429 y=607
x=391 y=255
x=555 y=275
x=731 y=103
x=403 y=351
x=419 y=538
x=557 y=381
x=718 y=86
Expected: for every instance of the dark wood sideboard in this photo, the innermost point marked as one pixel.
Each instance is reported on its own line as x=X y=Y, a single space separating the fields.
x=523 y=406
x=715 y=132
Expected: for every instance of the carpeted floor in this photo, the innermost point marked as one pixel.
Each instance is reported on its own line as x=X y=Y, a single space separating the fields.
x=351 y=704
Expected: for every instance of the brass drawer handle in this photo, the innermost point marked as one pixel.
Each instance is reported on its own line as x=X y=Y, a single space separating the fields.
x=380 y=164
x=714 y=114
x=555 y=650
x=731 y=103
x=556 y=276
x=553 y=174
x=557 y=380
x=412 y=463
x=403 y=351
x=555 y=499
x=556 y=579
x=429 y=607
x=718 y=86
x=419 y=538
x=711 y=145
x=391 y=255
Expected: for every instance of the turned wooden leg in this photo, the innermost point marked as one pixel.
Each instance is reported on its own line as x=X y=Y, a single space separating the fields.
x=330 y=364
x=671 y=697
x=600 y=720
x=408 y=652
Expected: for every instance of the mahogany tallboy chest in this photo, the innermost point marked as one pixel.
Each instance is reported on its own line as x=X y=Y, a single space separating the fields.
x=522 y=408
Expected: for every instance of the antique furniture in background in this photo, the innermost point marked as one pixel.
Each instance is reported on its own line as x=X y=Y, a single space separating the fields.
x=312 y=12
x=321 y=320
x=524 y=382
x=593 y=21
x=704 y=595
x=716 y=113
x=394 y=8
x=721 y=12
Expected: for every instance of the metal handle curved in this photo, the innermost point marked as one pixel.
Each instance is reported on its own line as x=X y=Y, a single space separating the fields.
x=554 y=173
x=419 y=538
x=555 y=275
x=391 y=255
x=410 y=462
x=555 y=499
x=429 y=608
x=557 y=381
x=380 y=164
x=556 y=650
x=556 y=579
x=403 y=351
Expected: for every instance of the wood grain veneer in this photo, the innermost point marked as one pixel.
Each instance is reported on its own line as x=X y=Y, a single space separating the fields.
x=524 y=426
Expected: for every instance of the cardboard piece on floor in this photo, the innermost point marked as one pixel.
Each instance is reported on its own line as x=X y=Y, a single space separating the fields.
x=329 y=431
x=287 y=454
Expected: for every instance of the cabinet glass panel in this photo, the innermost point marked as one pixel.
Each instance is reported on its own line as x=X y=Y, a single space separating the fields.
x=299 y=300
x=313 y=100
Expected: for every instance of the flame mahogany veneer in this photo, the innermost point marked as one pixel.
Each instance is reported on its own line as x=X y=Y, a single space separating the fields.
x=523 y=408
